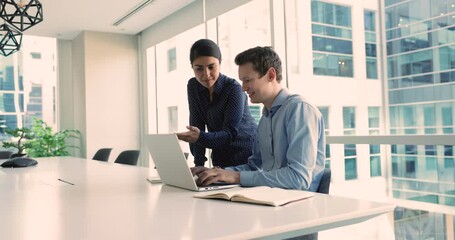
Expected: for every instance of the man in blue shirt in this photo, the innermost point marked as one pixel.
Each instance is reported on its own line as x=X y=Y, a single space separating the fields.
x=289 y=151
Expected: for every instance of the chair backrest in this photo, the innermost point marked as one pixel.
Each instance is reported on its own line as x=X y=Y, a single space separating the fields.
x=5 y=154
x=128 y=157
x=324 y=185
x=102 y=154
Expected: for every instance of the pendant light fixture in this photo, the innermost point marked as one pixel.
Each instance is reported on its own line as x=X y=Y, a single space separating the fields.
x=22 y=14
x=10 y=40
x=19 y=15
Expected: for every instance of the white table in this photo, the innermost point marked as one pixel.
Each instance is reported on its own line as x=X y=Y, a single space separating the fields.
x=114 y=201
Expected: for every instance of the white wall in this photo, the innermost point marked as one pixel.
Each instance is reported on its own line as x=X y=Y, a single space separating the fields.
x=112 y=92
x=102 y=97
x=70 y=100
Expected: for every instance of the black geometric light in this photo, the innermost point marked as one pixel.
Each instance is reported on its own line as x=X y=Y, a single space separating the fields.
x=10 y=40
x=22 y=14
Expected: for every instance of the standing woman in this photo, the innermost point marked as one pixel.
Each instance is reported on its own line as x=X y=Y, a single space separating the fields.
x=218 y=103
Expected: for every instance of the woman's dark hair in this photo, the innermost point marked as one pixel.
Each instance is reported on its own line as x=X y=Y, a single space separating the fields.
x=204 y=48
x=262 y=58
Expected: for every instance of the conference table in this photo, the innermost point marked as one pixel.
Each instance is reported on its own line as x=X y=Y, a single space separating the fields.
x=74 y=198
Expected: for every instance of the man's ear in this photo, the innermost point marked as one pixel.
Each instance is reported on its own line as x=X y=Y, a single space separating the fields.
x=271 y=74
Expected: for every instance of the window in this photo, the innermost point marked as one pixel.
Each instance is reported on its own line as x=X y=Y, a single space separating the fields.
x=409 y=116
x=429 y=118
x=170 y=70
x=420 y=48
x=332 y=65
x=395 y=172
x=370 y=44
x=332 y=39
x=431 y=164
x=349 y=120
x=7 y=78
x=410 y=149
x=331 y=14
x=447 y=118
x=410 y=166
x=35 y=55
x=171 y=59
x=325 y=116
x=372 y=68
x=375 y=166
x=350 y=168
x=173 y=118
x=171 y=109
x=449 y=160
x=332 y=45
x=27 y=82
x=7 y=121
x=7 y=103
x=255 y=112
x=250 y=21
x=350 y=161
x=373 y=120
x=350 y=150
x=430 y=150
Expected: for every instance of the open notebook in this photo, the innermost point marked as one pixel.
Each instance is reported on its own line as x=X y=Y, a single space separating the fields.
x=171 y=163
x=259 y=195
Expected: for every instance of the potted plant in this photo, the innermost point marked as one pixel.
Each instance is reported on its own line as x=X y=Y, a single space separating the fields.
x=40 y=140
x=47 y=143
x=23 y=136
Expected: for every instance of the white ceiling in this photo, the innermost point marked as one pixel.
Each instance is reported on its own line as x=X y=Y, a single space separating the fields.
x=65 y=19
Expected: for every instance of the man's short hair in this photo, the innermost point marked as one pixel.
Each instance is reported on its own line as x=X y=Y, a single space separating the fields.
x=262 y=58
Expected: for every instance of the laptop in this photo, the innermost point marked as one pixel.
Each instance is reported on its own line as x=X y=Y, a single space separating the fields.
x=171 y=163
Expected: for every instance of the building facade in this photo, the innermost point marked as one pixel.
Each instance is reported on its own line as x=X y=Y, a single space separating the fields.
x=420 y=56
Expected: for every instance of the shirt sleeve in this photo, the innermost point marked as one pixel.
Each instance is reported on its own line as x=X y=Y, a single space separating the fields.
x=196 y=119
x=233 y=114
x=303 y=124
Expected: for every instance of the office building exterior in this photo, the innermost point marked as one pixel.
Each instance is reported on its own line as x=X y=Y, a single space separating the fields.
x=420 y=50
x=420 y=41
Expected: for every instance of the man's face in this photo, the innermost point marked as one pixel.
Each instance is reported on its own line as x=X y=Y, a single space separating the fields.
x=206 y=70
x=253 y=84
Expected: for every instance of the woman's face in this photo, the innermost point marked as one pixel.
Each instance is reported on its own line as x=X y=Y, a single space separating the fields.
x=206 y=70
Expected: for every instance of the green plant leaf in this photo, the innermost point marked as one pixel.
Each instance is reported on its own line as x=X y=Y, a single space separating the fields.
x=40 y=140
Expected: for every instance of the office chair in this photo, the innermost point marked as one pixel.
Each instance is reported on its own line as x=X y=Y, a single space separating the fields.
x=129 y=157
x=324 y=185
x=102 y=154
x=5 y=154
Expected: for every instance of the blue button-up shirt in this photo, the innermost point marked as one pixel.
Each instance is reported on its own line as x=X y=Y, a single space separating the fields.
x=231 y=128
x=290 y=148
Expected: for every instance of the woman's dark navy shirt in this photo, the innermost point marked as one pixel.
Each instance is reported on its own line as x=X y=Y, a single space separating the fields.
x=231 y=130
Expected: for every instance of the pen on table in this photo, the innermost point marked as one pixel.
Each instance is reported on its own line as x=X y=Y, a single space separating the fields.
x=61 y=180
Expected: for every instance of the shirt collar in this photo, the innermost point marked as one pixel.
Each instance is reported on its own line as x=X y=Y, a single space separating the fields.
x=279 y=100
x=218 y=85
